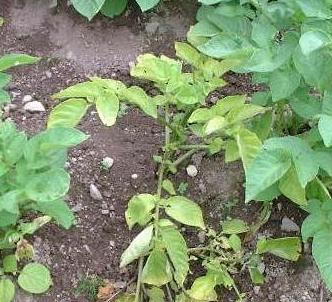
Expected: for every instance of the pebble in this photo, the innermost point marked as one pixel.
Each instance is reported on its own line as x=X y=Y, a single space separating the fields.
x=95 y=193
x=27 y=98
x=48 y=74
x=34 y=106
x=105 y=212
x=134 y=176
x=107 y=163
x=77 y=208
x=288 y=225
x=192 y=171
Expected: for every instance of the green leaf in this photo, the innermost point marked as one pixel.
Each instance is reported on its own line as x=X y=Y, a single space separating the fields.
x=89 y=90
x=313 y=40
x=7 y=290
x=316 y=221
x=184 y=211
x=262 y=125
x=234 y=226
x=248 y=145
x=138 y=247
x=325 y=129
x=157 y=270
x=12 y=60
x=283 y=82
x=88 y=8
x=139 y=209
x=321 y=251
x=147 y=4
x=68 y=113
x=303 y=156
x=168 y=187
x=267 y=168
x=189 y=54
x=235 y=243
x=126 y=298
x=231 y=151
x=59 y=211
x=203 y=288
x=9 y=264
x=112 y=8
x=47 y=186
x=177 y=251
x=137 y=96
x=31 y=227
x=4 y=79
x=35 y=278
x=290 y=186
x=108 y=107
x=315 y=8
x=156 y=294
x=215 y=124
x=288 y=248
x=244 y=112
x=317 y=190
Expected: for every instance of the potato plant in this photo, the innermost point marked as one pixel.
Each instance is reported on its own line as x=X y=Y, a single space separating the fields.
x=190 y=124
x=287 y=47
x=33 y=185
x=109 y=8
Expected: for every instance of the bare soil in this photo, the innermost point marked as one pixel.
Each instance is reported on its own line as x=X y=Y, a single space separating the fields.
x=73 y=49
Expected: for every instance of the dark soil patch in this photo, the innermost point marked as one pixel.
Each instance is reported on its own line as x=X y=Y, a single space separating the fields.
x=72 y=50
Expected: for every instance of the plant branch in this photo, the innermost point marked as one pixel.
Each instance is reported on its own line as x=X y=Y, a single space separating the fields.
x=184 y=157
x=139 y=277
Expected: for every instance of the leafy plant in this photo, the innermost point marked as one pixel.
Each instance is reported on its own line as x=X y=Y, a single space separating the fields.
x=191 y=125
x=33 y=180
x=287 y=47
x=6 y=62
x=109 y=8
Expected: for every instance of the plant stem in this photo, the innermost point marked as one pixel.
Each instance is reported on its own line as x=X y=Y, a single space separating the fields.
x=184 y=157
x=139 y=277
x=162 y=168
x=196 y=147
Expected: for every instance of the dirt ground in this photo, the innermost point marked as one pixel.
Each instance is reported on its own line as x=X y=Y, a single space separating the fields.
x=73 y=49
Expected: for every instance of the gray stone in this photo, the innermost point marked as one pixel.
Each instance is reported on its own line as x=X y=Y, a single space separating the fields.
x=192 y=171
x=288 y=225
x=95 y=193
x=34 y=106
x=27 y=98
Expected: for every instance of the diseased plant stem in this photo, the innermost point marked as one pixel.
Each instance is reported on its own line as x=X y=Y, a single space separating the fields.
x=139 y=277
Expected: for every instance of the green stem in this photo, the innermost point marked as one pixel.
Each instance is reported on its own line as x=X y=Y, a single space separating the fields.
x=184 y=157
x=139 y=277
x=196 y=147
x=162 y=169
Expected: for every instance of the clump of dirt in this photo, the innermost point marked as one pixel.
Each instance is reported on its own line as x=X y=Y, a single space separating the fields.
x=73 y=49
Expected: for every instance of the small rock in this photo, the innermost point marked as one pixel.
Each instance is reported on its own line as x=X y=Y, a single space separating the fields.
x=288 y=225
x=95 y=193
x=107 y=163
x=48 y=74
x=77 y=208
x=257 y=289
x=192 y=171
x=105 y=212
x=34 y=106
x=27 y=98
x=134 y=176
